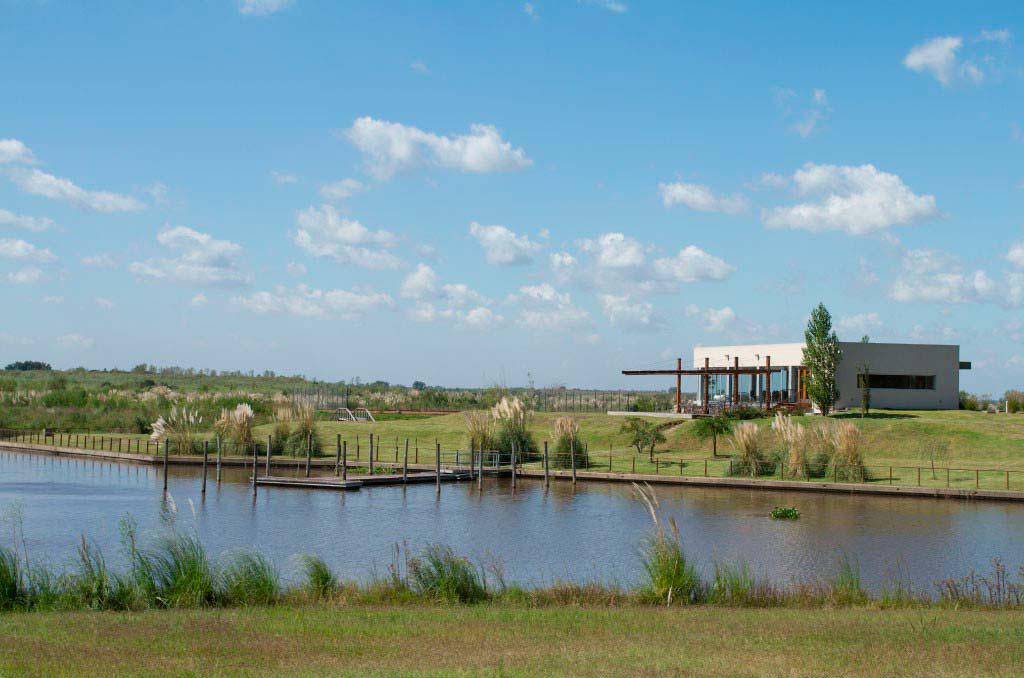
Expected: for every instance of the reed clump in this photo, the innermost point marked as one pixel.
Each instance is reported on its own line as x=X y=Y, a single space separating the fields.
x=480 y=429
x=847 y=461
x=748 y=442
x=236 y=425
x=566 y=434
x=670 y=578
x=794 y=440
x=180 y=426
x=512 y=433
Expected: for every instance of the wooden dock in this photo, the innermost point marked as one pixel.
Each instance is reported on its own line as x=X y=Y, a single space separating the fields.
x=355 y=482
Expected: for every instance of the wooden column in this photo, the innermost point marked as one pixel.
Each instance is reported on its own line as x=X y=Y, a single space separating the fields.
x=706 y=387
x=679 y=386
x=736 y=381
x=768 y=381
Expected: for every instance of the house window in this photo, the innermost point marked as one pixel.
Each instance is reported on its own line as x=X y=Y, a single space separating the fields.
x=914 y=382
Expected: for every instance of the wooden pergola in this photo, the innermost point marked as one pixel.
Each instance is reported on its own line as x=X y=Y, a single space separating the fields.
x=706 y=372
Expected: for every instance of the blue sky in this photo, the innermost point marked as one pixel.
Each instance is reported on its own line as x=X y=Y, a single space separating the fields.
x=469 y=193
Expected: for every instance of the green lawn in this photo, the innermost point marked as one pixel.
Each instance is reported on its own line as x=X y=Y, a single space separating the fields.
x=510 y=640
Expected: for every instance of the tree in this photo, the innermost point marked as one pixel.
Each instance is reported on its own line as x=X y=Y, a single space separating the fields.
x=712 y=427
x=821 y=357
x=864 y=382
x=419 y=385
x=27 y=365
x=644 y=435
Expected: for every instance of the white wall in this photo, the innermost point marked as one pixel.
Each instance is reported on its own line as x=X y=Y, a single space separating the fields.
x=942 y=361
x=750 y=356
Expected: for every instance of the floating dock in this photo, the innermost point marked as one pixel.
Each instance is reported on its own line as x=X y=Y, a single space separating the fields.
x=355 y=482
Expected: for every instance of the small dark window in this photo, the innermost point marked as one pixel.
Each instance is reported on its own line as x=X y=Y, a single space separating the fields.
x=914 y=382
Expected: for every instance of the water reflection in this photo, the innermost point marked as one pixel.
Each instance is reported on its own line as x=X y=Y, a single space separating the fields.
x=591 y=531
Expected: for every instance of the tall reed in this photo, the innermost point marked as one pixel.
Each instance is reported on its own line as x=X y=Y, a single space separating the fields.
x=441 y=574
x=320 y=581
x=180 y=426
x=748 y=443
x=847 y=457
x=479 y=429
x=670 y=578
x=249 y=579
x=794 y=441
x=566 y=435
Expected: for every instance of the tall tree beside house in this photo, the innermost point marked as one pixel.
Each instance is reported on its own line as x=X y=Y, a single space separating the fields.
x=821 y=357
x=864 y=382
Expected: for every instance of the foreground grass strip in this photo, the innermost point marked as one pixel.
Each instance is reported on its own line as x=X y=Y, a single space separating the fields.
x=493 y=639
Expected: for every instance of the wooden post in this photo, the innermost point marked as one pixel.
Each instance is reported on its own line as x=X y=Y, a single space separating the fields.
x=309 y=452
x=679 y=386
x=371 y=454
x=270 y=447
x=705 y=468
x=1007 y=480
x=513 y=468
x=919 y=476
x=167 y=444
x=890 y=475
x=657 y=469
x=546 y=480
x=255 y=461
x=405 y=463
x=634 y=465
x=344 y=460
x=206 y=456
x=768 y=381
x=437 y=467
x=572 y=458
x=977 y=479
x=707 y=386
x=218 y=457
x=337 y=456
x=947 y=476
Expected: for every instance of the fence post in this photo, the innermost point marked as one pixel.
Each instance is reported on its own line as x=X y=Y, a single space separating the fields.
x=705 y=467
x=206 y=456
x=344 y=460
x=634 y=465
x=572 y=455
x=1007 y=480
x=919 y=476
x=371 y=454
x=609 y=461
x=167 y=444
x=480 y=468
x=513 y=460
x=270 y=447
x=657 y=468
x=977 y=479
x=947 y=476
x=337 y=456
x=437 y=467
x=255 y=462
x=890 y=475
x=405 y=463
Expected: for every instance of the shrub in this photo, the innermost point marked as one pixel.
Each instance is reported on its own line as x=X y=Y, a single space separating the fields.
x=568 y=445
x=282 y=429
x=179 y=572
x=794 y=443
x=179 y=426
x=847 y=458
x=511 y=420
x=480 y=429
x=643 y=435
x=747 y=441
x=442 y=575
x=249 y=579
x=13 y=593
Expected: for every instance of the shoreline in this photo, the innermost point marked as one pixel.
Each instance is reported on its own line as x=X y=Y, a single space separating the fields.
x=555 y=475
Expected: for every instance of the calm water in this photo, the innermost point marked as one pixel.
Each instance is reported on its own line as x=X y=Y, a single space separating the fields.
x=591 y=533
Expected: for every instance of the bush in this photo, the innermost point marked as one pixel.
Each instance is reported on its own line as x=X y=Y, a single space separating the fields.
x=12 y=581
x=748 y=443
x=249 y=579
x=568 y=444
x=670 y=578
x=320 y=581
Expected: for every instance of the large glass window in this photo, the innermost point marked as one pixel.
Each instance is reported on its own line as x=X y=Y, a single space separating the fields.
x=916 y=382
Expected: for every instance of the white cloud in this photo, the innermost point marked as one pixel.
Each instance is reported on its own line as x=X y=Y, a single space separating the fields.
x=325 y=233
x=931 y=276
x=628 y=312
x=699 y=197
x=692 y=264
x=36 y=224
x=859 y=323
x=545 y=309
x=460 y=295
x=12 y=248
x=420 y=284
x=75 y=341
x=613 y=6
x=199 y=300
x=563 y=265
x=26 y=276
x=13 y=151
x=857 y=200
x=314 y=303
x=262 y=7
x=1015 y=255
x=53 y=300
x=342 y=190
x=390 y=147
x=530 y=10
x=817 y=111
x=37 y=182
x=420 y=67
x=203 y=260
x=99 y=261
x=936 y=56
x=716 y=320
x=502 y=246
x=283 y=177
x=480 y=317
x=158 y=192
x=615 y=250
x=104 y=303
x=14 y=340
x=296 y=269
x=1001 y=35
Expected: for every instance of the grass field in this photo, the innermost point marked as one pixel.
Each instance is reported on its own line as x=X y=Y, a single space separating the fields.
x=511 y=640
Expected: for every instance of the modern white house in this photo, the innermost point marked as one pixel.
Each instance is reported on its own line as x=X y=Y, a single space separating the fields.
x=901 y=376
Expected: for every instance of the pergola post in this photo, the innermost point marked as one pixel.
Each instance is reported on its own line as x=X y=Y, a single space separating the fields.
x=679 y=386
x=767 y=381
x=706 y=377
x=736 y=381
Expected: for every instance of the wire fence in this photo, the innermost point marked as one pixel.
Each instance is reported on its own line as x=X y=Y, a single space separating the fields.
x=376 y=454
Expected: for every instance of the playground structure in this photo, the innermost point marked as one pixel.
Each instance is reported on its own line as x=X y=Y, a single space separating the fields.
x=360 y=414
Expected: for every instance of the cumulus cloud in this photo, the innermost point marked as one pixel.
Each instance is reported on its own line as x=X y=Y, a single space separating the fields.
x=613 y=6
x=13 y=151
x=936 y=57
x=342 y=190
x=76 y=341
x=36 y=224
x=389 y=148
x=857 y=200
x=284 y=177
x=502 y=246
x=199 y=300
x=13 y=248
x=262 y=7
x=931 y=276
x=37 y=182
x=625 y=311
x=322 y=232
x=715 y=320
x=699 y=197
x=296 y=268
x=419 y=284
x=859 y=323
x=201 y=260
x=542 y=308
x=1015 y=255
x=615 y=250
x=26 y=276
x=315 y=303
x=692 y=264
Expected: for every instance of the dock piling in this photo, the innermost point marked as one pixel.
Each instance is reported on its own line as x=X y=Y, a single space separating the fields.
x=437 y=467
x=546 y=479
x=206 y=456
x=405 y=463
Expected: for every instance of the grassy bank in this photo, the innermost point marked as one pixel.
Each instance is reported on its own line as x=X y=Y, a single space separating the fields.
x=514 y=640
